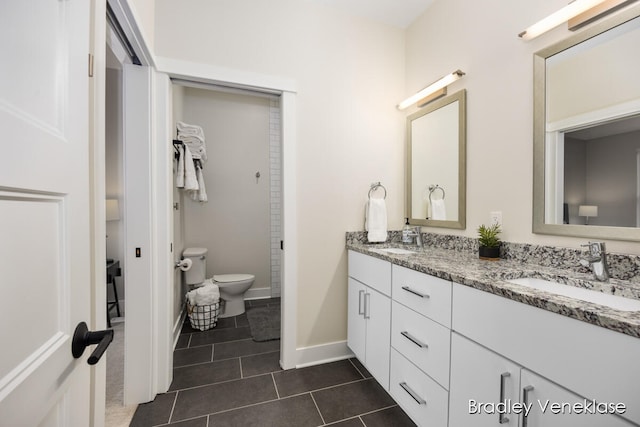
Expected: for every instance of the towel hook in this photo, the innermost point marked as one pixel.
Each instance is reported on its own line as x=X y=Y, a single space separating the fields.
x=433 y=188
x=375 y=186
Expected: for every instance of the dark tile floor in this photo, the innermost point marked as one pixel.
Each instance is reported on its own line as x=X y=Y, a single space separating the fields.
x=223 y=378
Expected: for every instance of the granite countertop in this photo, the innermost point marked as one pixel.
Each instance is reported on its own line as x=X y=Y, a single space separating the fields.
x=464 y=267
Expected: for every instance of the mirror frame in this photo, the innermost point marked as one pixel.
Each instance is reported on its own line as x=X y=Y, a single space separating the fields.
x=461 y=222
x=539 y=126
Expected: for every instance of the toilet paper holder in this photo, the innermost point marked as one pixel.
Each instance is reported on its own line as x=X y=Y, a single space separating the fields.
x=184 y=264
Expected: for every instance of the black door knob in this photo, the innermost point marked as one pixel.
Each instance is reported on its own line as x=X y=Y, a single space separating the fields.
x=83 y=338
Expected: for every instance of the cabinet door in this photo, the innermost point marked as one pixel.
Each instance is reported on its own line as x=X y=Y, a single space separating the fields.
x=377 y=312
x=356 y=326
x=480 y=376
x=553 y=406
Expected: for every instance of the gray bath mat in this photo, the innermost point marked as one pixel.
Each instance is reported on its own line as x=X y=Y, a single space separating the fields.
x=264 y=323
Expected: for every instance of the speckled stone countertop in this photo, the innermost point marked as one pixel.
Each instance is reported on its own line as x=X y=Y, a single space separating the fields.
x=458 y=261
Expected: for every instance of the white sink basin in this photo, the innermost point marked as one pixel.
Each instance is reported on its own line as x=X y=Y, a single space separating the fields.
x=397 y=251
x=613 y=301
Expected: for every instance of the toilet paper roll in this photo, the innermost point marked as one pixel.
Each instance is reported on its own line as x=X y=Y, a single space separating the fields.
x=185 y=264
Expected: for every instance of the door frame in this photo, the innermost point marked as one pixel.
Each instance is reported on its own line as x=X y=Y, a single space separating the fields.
x=97 y=111
x=286 y=88
x=153 y=316
x=160 y=347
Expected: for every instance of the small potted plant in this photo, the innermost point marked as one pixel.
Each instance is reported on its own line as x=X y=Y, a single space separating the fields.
x=489 y=242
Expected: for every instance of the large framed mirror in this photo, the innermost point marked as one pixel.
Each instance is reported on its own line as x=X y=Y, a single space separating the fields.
x=587 y=132
x=436 y=192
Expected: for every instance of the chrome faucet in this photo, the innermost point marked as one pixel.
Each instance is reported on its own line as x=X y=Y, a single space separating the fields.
x=597 y=260
x=417 y=233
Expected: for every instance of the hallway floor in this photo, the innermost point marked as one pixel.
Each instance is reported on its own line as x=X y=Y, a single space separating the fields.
x=224 y=378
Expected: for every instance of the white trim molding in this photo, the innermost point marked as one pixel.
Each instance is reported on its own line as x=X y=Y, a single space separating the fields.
x=286 y=89
x=324 y=353
x=223 y=76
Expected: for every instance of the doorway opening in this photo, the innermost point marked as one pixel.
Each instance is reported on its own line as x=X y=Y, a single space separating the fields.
x=241 y=223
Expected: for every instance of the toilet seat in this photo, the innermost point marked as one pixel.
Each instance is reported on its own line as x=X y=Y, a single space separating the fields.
x=228 y=278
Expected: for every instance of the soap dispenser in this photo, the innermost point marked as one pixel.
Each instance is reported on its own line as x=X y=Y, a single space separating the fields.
x=406 y=232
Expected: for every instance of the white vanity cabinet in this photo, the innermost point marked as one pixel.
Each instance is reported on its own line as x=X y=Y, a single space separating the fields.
x=369 y=313
x=548 y=357
x=420 y=345
x=449 y=354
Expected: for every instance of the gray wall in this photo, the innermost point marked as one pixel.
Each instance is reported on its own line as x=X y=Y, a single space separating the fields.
x=611 y=178
x=603 y=172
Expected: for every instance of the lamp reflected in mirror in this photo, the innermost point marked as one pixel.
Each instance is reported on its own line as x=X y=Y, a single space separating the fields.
x=587 y=211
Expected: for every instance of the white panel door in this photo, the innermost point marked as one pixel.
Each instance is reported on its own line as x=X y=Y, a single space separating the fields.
x=45 y=227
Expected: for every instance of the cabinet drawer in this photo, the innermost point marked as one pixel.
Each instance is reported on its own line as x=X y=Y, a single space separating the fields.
x=428 y=295
x=421 y=398
x=373 y=272
x=421 y=340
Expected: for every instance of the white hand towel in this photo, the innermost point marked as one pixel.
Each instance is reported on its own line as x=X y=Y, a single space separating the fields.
x=180 y=171
x=187 y=129
x=205 y=295
x=201 y=194
x=438 y=210
x=376 y=220
x=190 y=179
x=196 y=146
x=193 y=137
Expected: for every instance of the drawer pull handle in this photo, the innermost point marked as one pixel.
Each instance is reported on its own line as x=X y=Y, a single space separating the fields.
x=525 y=401
x=408 y=289
x=367 y=306
x=501 y=418
x=413 y=394
x=413 y=339
x=360 y=310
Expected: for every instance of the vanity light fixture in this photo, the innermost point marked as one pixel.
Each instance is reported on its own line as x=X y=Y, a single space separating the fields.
x=432 y=88
x=563 y=15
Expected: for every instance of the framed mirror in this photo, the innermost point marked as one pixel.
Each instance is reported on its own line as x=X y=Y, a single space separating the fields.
x=436 y=192
x=587 y=132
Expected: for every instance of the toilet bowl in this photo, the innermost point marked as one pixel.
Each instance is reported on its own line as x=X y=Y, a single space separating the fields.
x=232 y=286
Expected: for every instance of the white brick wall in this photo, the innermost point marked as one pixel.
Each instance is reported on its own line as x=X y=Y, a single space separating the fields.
x=275 y=161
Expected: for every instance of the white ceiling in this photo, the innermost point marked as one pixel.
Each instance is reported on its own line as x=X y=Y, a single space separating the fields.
x=399 y=13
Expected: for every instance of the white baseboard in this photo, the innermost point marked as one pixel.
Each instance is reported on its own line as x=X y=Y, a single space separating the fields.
x=324 y=353
x=177 y=327
x=259 y=293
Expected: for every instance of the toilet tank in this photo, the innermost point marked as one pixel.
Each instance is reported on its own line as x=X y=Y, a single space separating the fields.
x=196 y=274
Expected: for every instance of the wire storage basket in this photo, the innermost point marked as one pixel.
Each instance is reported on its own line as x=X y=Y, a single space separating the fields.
x=203 y=317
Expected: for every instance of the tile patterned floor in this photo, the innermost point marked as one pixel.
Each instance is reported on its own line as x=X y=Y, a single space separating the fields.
x=222 y=378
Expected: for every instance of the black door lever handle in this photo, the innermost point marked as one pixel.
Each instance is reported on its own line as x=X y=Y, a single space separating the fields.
x=83 y=338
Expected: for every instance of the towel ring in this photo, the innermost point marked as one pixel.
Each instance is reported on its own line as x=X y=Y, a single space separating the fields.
x=433 y=188
x=375 y=186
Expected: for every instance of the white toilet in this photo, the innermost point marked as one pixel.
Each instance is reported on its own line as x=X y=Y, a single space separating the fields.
x=232 y=286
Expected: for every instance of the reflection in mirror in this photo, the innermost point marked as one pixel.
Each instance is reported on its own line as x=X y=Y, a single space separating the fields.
x=587 y=132
x=600 y=169
x=436 y=149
